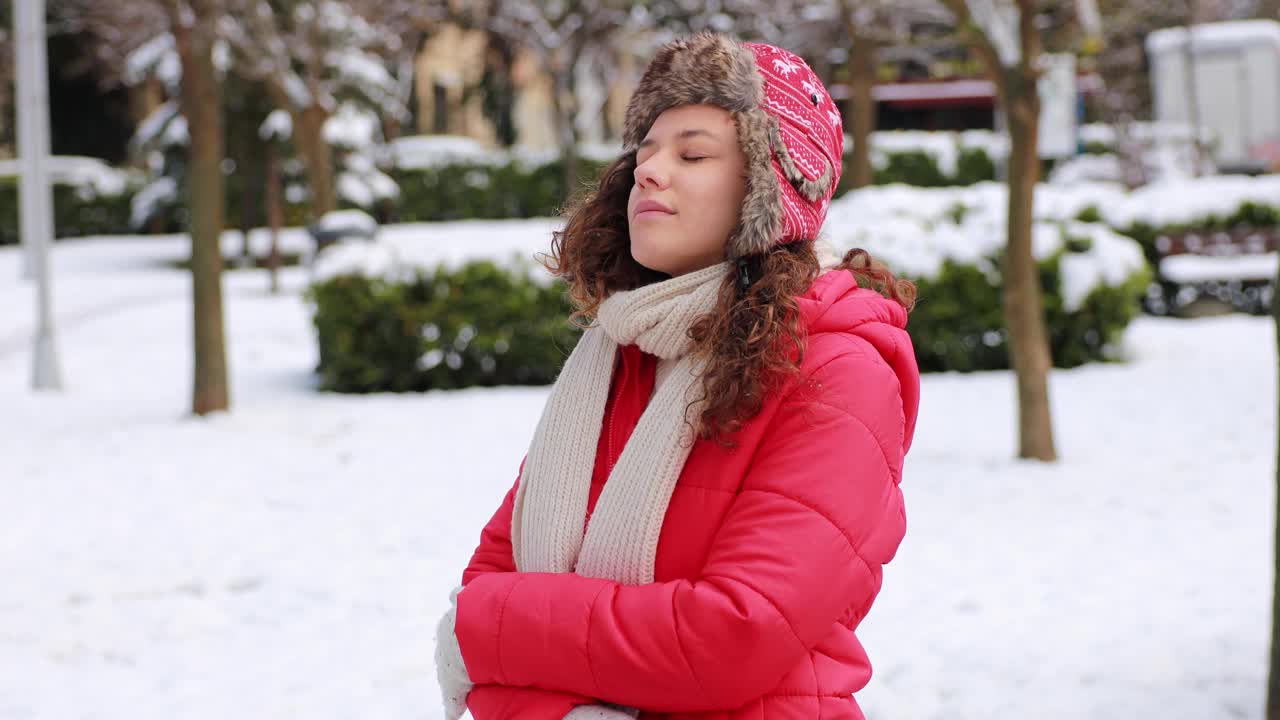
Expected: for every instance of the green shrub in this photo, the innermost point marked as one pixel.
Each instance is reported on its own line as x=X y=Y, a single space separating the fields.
x=973 y=166
x=485 y=325
x=916 y=168
x=958 y=323
x=490 y=192
x=478 y=325
x=920 y=169
x=1090 y=214
x=73 y=215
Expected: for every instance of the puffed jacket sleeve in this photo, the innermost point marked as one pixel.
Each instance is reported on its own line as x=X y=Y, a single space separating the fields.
x=502 y=702
x=818 y=514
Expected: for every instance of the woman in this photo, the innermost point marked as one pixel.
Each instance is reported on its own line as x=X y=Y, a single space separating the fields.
x=701 y=520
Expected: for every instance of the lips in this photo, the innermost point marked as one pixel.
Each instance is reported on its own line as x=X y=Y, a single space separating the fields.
x=651 y=208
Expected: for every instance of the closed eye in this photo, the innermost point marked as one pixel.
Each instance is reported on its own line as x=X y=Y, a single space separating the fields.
x=694 y=158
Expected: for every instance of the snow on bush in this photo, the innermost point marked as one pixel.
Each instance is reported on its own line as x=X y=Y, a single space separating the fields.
x=91 y=177
x=417 y=152
x=1187 y=202
x=943 y=147
x=916 y=231
x=158 y=193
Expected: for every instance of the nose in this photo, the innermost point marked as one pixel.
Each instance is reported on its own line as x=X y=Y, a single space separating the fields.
x=650 y=174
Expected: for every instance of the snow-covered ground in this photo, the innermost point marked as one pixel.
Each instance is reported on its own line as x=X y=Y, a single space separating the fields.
x=289 y=559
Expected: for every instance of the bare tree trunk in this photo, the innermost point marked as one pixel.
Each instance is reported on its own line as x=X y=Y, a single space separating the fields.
x=201 y=100
x=1023 y=302
x=862 y=67
x=861 y=106
x=316 y=155
x=566 y=127
x=1273 y=676
x=275 y=214
x=247 y=195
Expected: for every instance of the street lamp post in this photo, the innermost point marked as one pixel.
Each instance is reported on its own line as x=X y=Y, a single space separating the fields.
x=36 y=215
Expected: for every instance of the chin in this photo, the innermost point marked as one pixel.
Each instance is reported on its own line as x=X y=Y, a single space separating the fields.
x=648 y=256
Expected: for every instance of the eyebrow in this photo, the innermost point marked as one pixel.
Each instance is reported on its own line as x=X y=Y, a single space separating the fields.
x=681 y=135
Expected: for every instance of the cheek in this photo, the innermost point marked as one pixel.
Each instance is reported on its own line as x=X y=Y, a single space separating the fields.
x=719 y=202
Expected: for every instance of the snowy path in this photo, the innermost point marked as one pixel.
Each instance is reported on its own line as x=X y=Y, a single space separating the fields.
x=289 y=559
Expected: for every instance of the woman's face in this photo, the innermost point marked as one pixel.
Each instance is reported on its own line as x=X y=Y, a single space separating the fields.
x=690 y=180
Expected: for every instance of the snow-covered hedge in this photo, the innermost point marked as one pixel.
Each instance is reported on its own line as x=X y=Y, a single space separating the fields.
x=931 y=159
x=483 y=324
x=950 y=242
x=1208 y=204
x=480 y=190
x=89 y=197
x=447 y=178
x=463 y=304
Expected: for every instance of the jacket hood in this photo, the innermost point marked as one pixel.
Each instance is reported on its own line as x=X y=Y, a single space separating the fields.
x=835 y=304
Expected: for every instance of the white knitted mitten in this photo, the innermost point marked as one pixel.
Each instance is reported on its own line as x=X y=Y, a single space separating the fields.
x=451 y=672
x=601 y=712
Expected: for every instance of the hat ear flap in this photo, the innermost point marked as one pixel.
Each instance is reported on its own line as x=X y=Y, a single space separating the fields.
x=760 y=222
x=812 y=190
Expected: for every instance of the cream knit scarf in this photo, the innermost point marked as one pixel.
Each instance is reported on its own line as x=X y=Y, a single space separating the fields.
x=621 y=540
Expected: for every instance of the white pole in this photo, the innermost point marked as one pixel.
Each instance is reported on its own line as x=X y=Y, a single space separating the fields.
x=36 y=216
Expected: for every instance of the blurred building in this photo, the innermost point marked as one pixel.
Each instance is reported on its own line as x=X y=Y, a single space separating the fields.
x=451 y=90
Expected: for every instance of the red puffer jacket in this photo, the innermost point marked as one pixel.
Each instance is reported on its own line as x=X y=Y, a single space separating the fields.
x=769 y=557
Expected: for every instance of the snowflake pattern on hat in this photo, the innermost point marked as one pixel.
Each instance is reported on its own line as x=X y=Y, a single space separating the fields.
x=810 y=127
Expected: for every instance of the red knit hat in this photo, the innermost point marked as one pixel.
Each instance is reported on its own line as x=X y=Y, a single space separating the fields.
x=788 y=128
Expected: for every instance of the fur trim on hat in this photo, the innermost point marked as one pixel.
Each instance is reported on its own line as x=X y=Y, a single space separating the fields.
x=702 y=69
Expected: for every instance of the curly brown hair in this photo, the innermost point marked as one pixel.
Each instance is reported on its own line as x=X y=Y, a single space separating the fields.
x=753 y=339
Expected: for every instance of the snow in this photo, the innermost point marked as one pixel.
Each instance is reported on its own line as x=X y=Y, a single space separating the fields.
x=401 y=250
x=1148 y=132
x=1166 y=149
x=1201 y=268
x=1172 y=202
x=355 y=257
x=159 y=57
x=351 y=188
x=381 y=185
x=416 y=152
x=352 y=127
x=290 y=558
x=90 y=176
x=176 y=133
x=363 y=184
x=154 y=126
x=915 y=231
x=366 y=72
x=277 y=126
x=358 y=131
x=943 y=146
x=910 y=229
x=1186 y=201
x=985 y=199
x=600 y=151
x=296 y=90
x=158 y=192
x=1217 y=37
x=348 y=219
x=1086 y=168
x=1110 y=261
